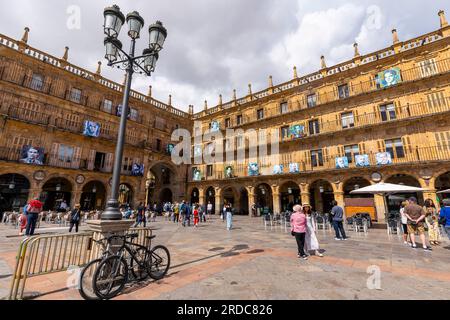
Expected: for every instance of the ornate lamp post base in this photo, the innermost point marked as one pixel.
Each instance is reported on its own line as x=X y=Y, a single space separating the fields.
x=112 y=212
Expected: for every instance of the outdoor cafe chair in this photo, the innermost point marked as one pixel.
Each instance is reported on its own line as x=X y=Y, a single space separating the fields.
x=360 y=224
x=351 y=223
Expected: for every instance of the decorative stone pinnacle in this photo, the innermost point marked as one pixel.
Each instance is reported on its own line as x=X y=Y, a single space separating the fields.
x=206 y=104
x=395 y=39
x=170 y=100
x=323 y=65
x=99 y=68
x=220 y=99
x=250 y=89
x=444 y=22
x=149 y=91
x=234 y=94
x=66 y=54
x=295 y=72
x=356 y=50
x=270 y=81
x=25 y=35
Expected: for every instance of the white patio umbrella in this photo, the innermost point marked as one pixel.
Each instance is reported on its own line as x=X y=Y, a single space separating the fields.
x=444 y=191
x=386 y=189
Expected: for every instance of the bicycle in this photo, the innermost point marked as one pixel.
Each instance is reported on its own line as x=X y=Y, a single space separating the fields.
x=111 y=275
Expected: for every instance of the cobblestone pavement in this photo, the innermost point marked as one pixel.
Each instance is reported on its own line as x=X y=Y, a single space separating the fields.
x=257 y=262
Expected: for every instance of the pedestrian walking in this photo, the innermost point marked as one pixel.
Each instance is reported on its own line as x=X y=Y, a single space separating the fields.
x=33 y=209
x=176 y=213
x=140 y=217
x=196 y=216
x=432 y=222
x=311 y=242
x=75 y=217
x=202 y=213
x=298 y=230
x=209 y=209
x=224 y=212
x=416 y=216
x=338 y=217
x=404 y=221
x=444 y=216
x=229 y=216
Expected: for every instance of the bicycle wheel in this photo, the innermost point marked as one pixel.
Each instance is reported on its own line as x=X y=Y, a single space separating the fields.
x=85 y=282
x=140 y=270
x=159 y=262
x=110 y=277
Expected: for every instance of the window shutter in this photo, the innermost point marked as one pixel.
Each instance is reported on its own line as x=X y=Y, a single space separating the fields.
x=407 y=145
x=54 y=154
x=109 y=162
x=362 y=148
x=91 y=160
x=76 y=158
x=381 y=146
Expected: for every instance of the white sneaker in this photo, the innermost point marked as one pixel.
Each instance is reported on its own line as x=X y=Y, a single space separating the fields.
x=337 y=239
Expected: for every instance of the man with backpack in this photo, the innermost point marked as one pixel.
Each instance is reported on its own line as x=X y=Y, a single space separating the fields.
x=33 y=209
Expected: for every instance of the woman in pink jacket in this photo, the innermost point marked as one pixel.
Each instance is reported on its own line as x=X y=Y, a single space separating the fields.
x=298 y=230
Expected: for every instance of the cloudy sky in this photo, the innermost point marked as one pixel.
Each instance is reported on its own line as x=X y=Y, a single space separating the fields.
x=215 y=46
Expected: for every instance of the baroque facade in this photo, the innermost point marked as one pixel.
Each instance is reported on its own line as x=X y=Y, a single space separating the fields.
x=58 y=129
x=384 y=116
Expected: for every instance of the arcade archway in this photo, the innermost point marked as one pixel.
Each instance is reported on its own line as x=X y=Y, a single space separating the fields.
x=125 y=195
x=443 y=183
x=165 y=195
x=210 y=197
x=14 y=190
x=395 y=201
x=195 y=196
x=93 y=196
x=54 y=192
x=264 y=198
x=321 y=196
x=289 y=195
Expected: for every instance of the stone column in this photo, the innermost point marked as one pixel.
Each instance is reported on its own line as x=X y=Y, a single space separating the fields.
x=218 y=206
x=251 y=199
x=76 y=198
x=201 y=197
x=380 y=208
x=276 y=199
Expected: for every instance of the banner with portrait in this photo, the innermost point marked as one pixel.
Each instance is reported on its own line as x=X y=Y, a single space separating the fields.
x=215 y=126
x=294 y=168
x=278 y=169
x=91 y=129
x=119 y=111
x=389 y=78
x=196 y=174
x=229 y=172
x=341 y=162
x=137 y=170
x=198 y=150
x=32 y=155
x=383 y=158
x=253 y=169
x=362 y=160
x=170 y=148
x=297 y=131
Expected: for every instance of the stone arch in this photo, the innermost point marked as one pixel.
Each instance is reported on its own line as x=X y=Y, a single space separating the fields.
x=394 y=201
x=290 y=195
x=321 y=193
x=264 y=197
x=443 y=183
x=14 y=191
x=165 y=195
x=126 y=194
x=93 y=195
x=210 y=197
x=55 y=190
x=230 y=195
x=194 y=195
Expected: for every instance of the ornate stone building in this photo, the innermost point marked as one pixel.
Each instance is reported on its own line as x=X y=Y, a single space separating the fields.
x=58 y=128
x=384 y=116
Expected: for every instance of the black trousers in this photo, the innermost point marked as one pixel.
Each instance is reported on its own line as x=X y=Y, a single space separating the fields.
x=72 y=224
x=300 y=238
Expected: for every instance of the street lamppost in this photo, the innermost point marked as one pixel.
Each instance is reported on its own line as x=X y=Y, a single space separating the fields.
x=143 y=64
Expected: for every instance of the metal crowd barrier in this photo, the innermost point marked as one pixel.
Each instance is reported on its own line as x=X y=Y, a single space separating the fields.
x=41 y=255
